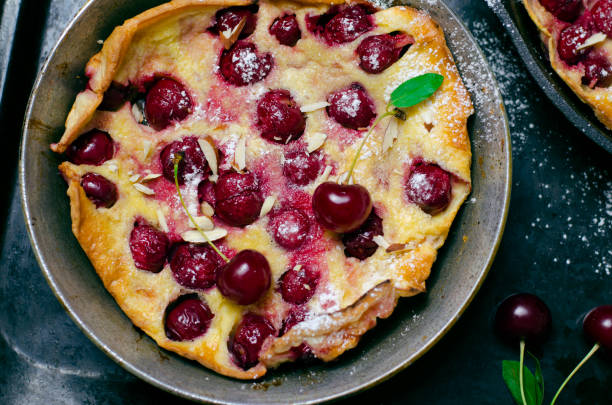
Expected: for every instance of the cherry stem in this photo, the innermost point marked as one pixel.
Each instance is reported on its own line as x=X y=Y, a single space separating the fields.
x=177 y=159
x=521 y=372
x=584 y=360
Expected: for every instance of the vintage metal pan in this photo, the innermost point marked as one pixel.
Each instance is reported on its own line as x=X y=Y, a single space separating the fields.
x=395 y=343
x=526 y=38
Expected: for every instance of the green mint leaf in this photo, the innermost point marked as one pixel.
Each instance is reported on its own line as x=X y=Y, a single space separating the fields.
x=415 y=90
x=510 y=373
x=539 y=379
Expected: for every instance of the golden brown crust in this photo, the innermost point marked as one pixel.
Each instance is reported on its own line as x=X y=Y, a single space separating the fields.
x=597 y=98
x=103 y=233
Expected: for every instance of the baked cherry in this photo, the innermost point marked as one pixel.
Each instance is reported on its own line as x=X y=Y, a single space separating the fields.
x=597 y=70
x=167 y=102
x=250 y=335
x=360 y=243
x=597 y=326
x=300 y=167
x=351 y=107
x=195 y=266
x=523 y=317
x=101 y=191
x=289 y=227
x=286 y=30
x=429 y=187
x=295 y=316
x=570 y=40
x=245 y=278
x=602 y=16
x=341 y=207
x=566 y=10
x=114 y=97
x=192 y=164
x=348 y=25
x=187 y=318
x=279 y=117
x=228 y=18
x=242 y=64
x=238 y=198
x=377 y=52
x=149 y=247
x=298 y=285
x=92 y=148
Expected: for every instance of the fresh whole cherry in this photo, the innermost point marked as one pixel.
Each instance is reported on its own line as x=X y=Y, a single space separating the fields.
x=360 y=243
x=242 y=64
x=187 y=319
x=238 y=198
x=195 y=266
x=286 y=30
x=429 y=187
x=245 y=278
x=92 y=148
x=101 y=191
x=250 y=335
x=149 y=247
x=301 y=168
x=347 y=25
x=566 y=10
x=279 y=117
x=523 y=317
x=351 y=107
x=377 y=52
x=289 y=227
x=167 y=102
x=192 y=163
x=597 y=326
x=230 y=17
x=298 y=285
x=341 y=207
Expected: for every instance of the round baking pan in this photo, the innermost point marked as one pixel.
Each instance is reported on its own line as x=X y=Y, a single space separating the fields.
x=416 y=325
x=526 y=38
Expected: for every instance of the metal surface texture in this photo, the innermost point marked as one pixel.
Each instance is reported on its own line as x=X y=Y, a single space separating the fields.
x=416 y=325
x=527 y=40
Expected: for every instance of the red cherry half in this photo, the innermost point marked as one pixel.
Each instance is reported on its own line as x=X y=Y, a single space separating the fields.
x=286 y=30
x=523 y=316
x=245 y=278
x=279 y=117
x=348 y=25
x=597 y=326
x=341 y=207
x=246 y=343
x=429 y=186
x=195 y=266
x=298 y=285
x=351 y=107
x=167 y=102
x=238 y=198
x=193 y=162
x=149 y=247
x=187 y=318
x=243 y=65
x=228 y=18
x=360 y=243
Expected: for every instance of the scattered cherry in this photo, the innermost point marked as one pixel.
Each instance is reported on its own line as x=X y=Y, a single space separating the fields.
x=167 y=102
x=348 y=25
x=602 y=16
x=351 y=107
x=92 y=148
x=289 y=227
x=195 y=266
x=242 y=64
x=597 y=326
x=279 y=117
x=238 y=198
x=230 y=17
x=245 y=278
x=523 y=317
x=300 y=167
x=377 y=52
x=193 y=162
x=360 y=243
x=187 y=319
x=341 y=207
x=429 y=186
x=597 y=70
x=298 y=285
x=566 y=10
x=149 y=247
x=569 y=41
x=246 y=343
x=286 y=30
x=101 y=191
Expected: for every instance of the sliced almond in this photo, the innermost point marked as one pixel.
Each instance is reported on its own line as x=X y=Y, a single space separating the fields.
x=240 y=153
x=315 y=141
x=207 y=209
x=150 y=177
x=267 y=205
x=391 y=134
x=592 y=40
x=297 y=267
x=381 y=241
x=326 y=173
x=161 y=218
x=146 y=149
x=134 y=178
x=314 y=106
x=204 y=223
x=210 y=153
x=197 y=237
x=137 y=113
x=213 y=178
x=143 y=189
x=228 y=37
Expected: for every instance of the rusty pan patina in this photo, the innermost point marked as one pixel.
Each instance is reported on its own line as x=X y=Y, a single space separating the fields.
x=417 y=323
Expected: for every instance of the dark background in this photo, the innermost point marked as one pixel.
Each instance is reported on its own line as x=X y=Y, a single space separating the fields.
x=556 y=244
